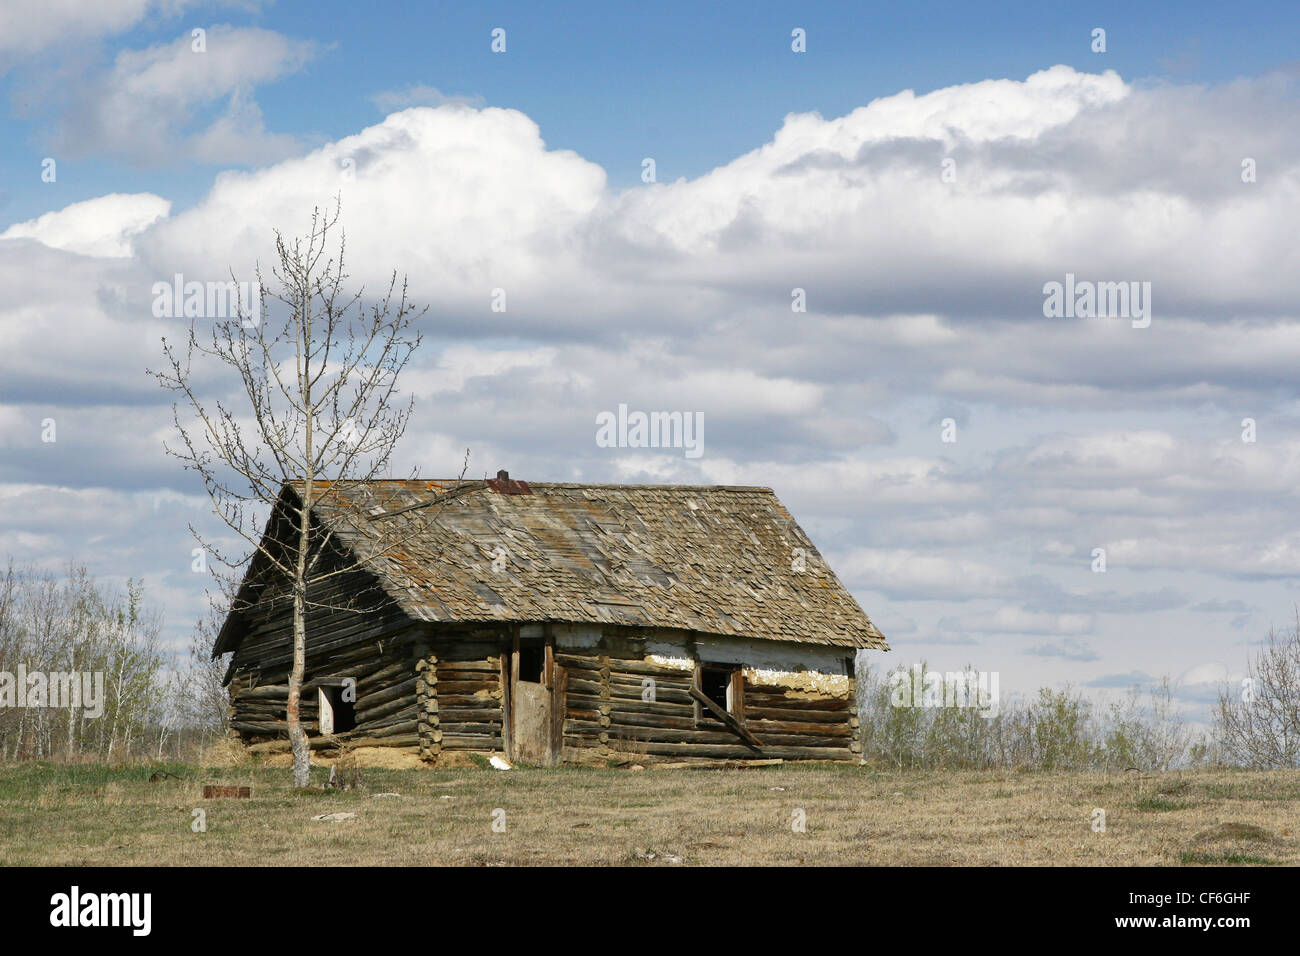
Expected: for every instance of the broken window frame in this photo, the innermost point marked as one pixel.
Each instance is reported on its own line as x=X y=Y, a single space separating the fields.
x=734 y=703
x=545 y=648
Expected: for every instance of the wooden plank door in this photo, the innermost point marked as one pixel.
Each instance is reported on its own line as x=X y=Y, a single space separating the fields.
x=532 y=703
x=532 y=724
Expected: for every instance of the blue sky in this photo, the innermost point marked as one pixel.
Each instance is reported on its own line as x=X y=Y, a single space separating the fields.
x=777 y=171
x=691 y=85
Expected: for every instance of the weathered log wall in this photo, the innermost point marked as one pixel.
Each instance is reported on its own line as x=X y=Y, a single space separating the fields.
x=622 y=706
x=343 y=609
x=385 y=706
x=433 y=689
x=817 y=726
x=353 y=631
x=459 y=697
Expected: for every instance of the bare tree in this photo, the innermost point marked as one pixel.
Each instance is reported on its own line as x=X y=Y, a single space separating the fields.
x=75 y=625
x=1258 y=723
x=318 y=409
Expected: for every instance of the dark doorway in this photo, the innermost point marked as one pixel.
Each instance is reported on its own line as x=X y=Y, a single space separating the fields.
x=337 y=715
x=532 y=661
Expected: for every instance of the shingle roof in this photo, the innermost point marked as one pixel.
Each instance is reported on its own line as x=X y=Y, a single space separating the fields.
x=712 y=559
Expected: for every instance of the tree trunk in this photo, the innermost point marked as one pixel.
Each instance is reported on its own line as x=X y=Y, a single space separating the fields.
x=297 y=736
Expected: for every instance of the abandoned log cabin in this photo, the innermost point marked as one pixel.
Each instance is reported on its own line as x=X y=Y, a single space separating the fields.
x=555 y=623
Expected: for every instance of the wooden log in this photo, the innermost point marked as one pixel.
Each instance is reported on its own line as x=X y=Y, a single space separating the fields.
x=397 y=740
x=269 y=727
x=789 y=713
x=471 y=742
x=583 y=728
x=272 y=708
x=344 y=635
x=723 y=751
x=633 y=683
x=272 y=691
x=466 y=687
x=407 y=712
x=453 y=668
x=646 y=668
x=469 y=714
x=577 y=663
x=372 y=699
x=254 y=703
x=765 y=727
x=762 y=700
x=383 y=675
x=618 y=718
x=403 y=727
x=622 y=706
x=383 y=710
x=334 y=673
x=327 y=641
x=724 y=736
x=585 y=688
x=472 y=728
x=662 y=695
x=469 y=701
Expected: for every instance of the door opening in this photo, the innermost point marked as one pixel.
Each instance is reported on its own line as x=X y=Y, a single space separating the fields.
x=336 y=715
x=532 y=661
x=533 y=708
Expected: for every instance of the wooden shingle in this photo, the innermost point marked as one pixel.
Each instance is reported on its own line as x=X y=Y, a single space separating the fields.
x=710 y=559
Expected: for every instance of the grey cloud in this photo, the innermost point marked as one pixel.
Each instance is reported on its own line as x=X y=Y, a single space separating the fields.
x=1067 y=648
x=1122 y=681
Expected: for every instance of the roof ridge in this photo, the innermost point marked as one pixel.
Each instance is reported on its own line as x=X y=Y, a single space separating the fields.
x=627 y=486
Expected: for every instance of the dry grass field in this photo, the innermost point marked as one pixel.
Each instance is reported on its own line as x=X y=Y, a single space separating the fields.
x=92 y=815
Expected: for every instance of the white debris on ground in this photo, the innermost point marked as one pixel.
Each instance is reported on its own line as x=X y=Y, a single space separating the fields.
x=651 y=855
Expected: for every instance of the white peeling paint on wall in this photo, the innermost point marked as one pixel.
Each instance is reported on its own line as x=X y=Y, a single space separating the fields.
x=814 y=682
x=679 y=663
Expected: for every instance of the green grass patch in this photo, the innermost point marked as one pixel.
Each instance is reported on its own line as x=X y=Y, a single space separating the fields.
x=1160 y=804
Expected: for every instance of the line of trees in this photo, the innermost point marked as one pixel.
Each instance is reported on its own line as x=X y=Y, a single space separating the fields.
x=154 y=703
x=1255 y=724
x=73 y=625
x=1258 y=723
x=1053 y=730
x=158 y=704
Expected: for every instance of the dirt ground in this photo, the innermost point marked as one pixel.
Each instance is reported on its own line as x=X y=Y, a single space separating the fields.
x=809 y=814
